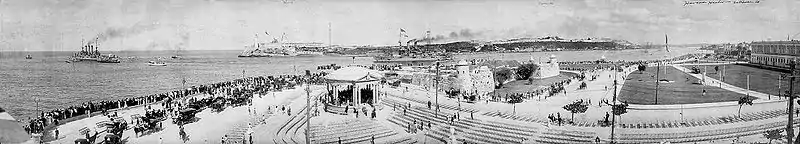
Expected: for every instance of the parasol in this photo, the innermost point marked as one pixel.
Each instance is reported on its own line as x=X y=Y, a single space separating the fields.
x=11 y=130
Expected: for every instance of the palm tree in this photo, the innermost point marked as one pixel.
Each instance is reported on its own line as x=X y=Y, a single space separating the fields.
x=576 y=107
x=742 y=101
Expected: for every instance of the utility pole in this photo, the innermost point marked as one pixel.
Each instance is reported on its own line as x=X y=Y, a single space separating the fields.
x=614 y=101
x=780 y=78
x=748 y=85
x=436 y=92
x=658 y=69
x=789 y=129
x=308 y=112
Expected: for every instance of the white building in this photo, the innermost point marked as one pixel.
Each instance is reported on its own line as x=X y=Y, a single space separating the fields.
x=474 y=79
x=545 y=70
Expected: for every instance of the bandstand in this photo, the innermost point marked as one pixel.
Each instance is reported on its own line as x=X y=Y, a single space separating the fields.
x=352 y=87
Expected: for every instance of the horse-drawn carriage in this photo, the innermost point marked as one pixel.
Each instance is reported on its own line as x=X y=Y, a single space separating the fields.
x=218 y=105
x=111 y=135
x=147 y=123
x=185 y=116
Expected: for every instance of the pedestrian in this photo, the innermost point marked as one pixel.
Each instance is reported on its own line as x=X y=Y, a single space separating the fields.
x=340 y=140
x=471 y=115
x=429 y=104
x=56 y=133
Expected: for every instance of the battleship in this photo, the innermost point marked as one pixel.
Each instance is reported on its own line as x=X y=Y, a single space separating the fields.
x=277 y=48
x=413 y=57
x=90 y=53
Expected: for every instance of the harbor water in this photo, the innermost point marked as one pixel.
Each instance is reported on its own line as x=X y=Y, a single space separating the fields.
x=52 y=83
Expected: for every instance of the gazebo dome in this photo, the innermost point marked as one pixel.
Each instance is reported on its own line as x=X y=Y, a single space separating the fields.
x=354 y=74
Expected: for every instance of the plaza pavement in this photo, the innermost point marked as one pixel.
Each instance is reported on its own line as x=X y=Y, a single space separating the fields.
x=669 y=118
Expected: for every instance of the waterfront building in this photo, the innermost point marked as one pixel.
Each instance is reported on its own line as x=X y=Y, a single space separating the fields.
x=473 y=79
x=774 y=53
x=545 y=70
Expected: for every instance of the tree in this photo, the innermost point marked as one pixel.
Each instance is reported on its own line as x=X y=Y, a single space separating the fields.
x=501 y=75
x=744 y=100
x=642 y=68
x=619 y=109
x=515 y=98
x=524 y=71
x=774 y=134
x=576 y=107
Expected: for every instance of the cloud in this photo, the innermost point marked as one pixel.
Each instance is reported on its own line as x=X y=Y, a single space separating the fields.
x=229 y=24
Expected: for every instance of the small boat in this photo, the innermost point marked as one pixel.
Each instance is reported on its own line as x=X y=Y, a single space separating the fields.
x=28 y=57
x=153 y=63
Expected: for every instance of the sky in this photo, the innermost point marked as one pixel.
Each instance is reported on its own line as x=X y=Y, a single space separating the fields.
x=117 y=25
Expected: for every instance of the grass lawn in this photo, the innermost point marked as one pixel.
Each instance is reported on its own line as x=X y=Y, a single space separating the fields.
x=761 y=80
x=639 y=88
x=519 y=86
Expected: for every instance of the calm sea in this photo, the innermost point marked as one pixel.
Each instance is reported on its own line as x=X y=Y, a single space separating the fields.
x=52 y=83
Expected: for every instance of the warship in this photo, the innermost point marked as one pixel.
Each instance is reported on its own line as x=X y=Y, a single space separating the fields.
x=90 y=53
x=413 y=56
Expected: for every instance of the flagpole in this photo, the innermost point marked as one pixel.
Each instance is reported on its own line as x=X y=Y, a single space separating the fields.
x=330 y=43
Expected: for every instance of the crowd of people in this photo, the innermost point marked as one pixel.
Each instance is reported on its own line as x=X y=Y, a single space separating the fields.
x=237 y=91
x=379 y=67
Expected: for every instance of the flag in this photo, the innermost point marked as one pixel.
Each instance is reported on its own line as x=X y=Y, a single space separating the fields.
x=405 y=35
x=266 y=33
x=402 y=30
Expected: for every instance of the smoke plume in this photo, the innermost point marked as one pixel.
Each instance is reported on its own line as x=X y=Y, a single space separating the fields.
x=463 y=34
x=117 y=32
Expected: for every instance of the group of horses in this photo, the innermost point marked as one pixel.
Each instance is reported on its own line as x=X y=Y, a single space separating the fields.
x=150 y=122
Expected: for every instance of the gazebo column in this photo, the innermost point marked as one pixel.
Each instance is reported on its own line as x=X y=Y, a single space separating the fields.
x=355 y=94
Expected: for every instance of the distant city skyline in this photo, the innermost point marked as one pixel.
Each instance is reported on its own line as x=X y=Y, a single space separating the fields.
x=40 y=25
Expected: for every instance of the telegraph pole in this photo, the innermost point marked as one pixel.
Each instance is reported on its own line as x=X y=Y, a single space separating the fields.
x=614 y=101
x=308 y=113
x=436 y=91
x=789 y=129
x=658 y=69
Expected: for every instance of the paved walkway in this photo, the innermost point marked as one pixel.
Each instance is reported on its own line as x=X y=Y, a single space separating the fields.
x=720 y=118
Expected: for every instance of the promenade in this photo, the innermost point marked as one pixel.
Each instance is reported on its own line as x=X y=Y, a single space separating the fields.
x=712 y=122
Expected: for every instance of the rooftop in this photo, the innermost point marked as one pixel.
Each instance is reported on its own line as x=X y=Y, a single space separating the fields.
x=777 y=42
